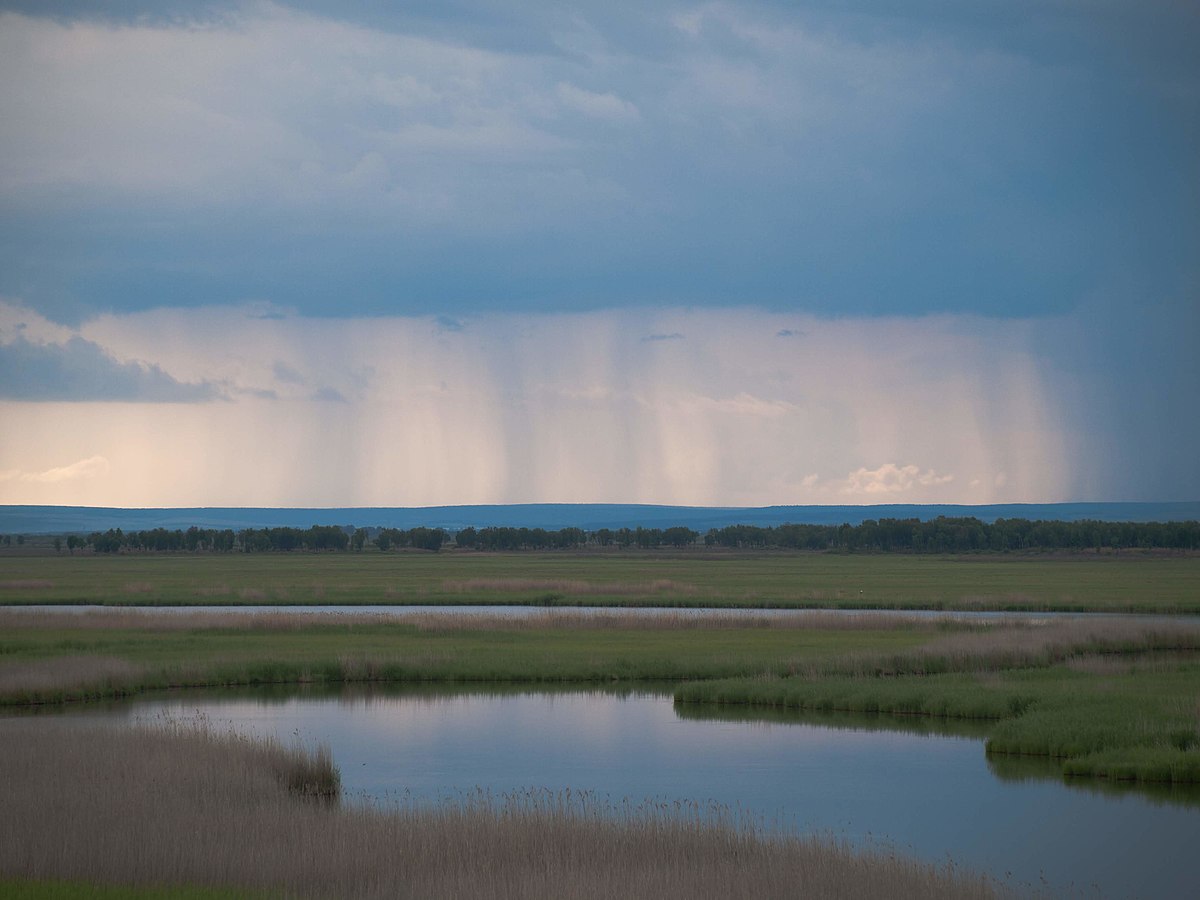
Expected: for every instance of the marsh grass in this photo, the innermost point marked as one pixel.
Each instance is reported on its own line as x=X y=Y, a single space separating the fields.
x=163 y=806
x=198 y=649
x=83 y=674
x=573 y=587
x=1106 y=700
x=1019 y=644
x=779 y=579
x=133 y=618
x=1067 y=688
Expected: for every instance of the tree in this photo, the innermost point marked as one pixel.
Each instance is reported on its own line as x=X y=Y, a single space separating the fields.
x=427 y=538
x=679 y=536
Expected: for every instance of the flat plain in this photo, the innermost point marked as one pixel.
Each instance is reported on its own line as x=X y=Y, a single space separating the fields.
x=1126 y=582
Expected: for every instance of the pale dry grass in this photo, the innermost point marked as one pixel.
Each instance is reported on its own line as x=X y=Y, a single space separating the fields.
x=155 y=806
x=668 y=620
x=1019 y=643
x=568 y=587
x=132 y=618
x=80 y=673
x=1057 y=640
x=25 y=584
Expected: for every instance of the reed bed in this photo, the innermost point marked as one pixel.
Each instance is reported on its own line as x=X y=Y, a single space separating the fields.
x=187 y=806
x=97 y=675
x=134 y=618
x=197 y=649
x=673 y=620
x=574 y=587
x=1014 y=644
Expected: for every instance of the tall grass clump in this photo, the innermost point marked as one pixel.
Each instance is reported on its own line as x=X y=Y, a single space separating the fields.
x=57 y=678
x=179 y=805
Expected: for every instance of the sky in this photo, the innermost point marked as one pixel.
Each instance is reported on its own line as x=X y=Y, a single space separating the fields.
x=736 y=254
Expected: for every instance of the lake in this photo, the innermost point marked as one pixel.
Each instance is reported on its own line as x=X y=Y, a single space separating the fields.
x=923 y=786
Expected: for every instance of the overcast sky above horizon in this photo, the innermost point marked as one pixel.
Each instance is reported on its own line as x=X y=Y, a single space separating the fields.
x=330 y=254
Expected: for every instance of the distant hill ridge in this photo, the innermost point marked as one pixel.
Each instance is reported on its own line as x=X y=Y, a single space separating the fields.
x=588 y=516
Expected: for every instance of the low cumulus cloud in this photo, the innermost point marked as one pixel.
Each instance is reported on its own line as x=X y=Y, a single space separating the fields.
x=92 y=467
x=81 y=370
x=891 y=479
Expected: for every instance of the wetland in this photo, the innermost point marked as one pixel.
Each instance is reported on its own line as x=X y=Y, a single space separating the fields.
x=1048 y=752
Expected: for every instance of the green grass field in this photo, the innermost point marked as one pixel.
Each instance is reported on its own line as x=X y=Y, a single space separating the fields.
x=1109 y=583
x=53 y=660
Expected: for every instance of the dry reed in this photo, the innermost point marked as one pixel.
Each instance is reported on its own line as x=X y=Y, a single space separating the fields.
x=569 y=587
x=172 y=806
x=79 y=673
x=1014 y=643
x=133 y=618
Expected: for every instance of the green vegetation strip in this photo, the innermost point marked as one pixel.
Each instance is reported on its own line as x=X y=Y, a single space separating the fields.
x=1108 y=698
x=71 y=661
x=1102 y=716
x=785 y=579
x=30 y=889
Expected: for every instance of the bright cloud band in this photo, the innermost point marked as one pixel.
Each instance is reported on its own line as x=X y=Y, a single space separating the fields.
x=725 y=407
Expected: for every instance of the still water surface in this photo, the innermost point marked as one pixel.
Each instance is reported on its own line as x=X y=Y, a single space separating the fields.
x=524 y=611
x=924 y=787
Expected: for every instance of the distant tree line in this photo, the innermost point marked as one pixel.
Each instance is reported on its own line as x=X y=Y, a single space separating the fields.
x=962 y=535
x=940 y=535
x=500 y=538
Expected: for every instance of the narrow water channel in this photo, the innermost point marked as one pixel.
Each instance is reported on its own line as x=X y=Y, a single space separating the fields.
x=923 y=787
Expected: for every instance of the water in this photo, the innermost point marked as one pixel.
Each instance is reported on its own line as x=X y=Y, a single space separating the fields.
x=924 y=787
x=519 y=611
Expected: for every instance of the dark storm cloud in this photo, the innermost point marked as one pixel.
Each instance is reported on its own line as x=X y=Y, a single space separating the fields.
x=80 y=370
x=1007 y=159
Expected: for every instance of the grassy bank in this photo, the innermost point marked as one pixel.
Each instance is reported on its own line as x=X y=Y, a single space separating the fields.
x=49 y=658
x=1102 y=703
x=1126 y=583
x=218 y=815
x=1107 y=697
